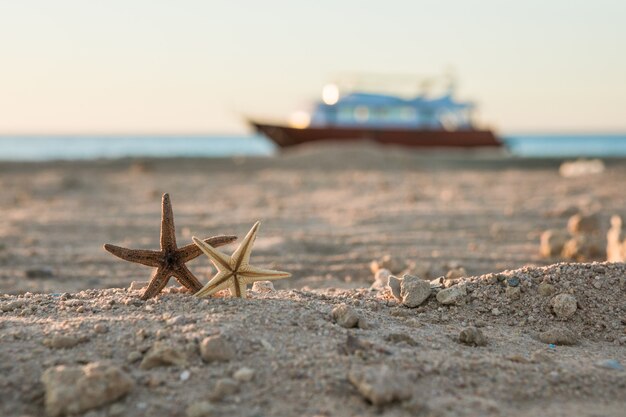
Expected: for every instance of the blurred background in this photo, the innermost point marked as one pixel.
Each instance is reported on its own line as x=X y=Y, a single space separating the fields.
x=144 y=68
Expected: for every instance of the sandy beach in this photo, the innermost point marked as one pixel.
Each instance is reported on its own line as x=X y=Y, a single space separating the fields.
x=327 y=213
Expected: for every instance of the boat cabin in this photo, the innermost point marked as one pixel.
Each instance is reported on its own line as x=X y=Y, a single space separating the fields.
x=385 y=111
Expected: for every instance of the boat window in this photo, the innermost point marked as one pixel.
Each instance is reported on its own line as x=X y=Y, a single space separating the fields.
x=407 y=113
x=361 y=113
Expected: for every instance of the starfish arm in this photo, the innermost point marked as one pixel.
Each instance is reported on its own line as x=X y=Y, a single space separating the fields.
x=168 y=232
x=238 y=289
x=158 y=281
x=140 y=256
x=253 y=274
x=219 y=259
x=219 y=282
x=184 y=276
x=192 y=251
x=242 y=254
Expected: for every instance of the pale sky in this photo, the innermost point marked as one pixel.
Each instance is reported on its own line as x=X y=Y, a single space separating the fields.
x=183 y=66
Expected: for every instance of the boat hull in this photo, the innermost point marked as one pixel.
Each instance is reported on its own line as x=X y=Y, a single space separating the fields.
x=287 y=136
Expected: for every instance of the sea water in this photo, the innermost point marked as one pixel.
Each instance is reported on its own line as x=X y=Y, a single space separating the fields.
x=567 y=145
x=40 y=148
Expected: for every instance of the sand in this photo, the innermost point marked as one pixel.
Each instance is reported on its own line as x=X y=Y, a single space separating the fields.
x=326 y=213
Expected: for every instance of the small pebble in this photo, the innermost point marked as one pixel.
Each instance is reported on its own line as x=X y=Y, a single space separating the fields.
x=76 y=389
x=134 y=356
x=13 y=305
x=100 y=328
x=513 y=282
x=223 y=388
x=364 y=324
x=380 y=385
x=162 y=354
x=200 y=409
x=545 y=289
x=263 y=286
x=162 y=334
x=138 y=285
x=345 y=316
x=117 y=409
x=472 y=336
x=414 y=291
x=244 y=374
x=513 y=293
x=381 y=278
x=176 y=321
x=584 y=223
x=216 y=349
x=386 y=262
x=401 y=338
x=59 y=341
x=558 y=336
x=184 y=375
x=564 y=305
x=552 y=242
x=455 y=273
x=395 y=286
x=452 y=295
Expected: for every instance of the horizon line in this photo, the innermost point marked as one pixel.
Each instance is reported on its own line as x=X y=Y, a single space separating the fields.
x=252 y=133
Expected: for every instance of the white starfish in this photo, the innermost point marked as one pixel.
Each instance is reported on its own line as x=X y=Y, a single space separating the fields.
x=235 y=272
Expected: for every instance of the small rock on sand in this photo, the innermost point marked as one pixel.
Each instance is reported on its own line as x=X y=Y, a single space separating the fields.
x=546 y=289
x=472 y=336
x=216 y=349
x=513 y=293
x=564 y=305
x=452 y=295
x=200 y=409
x=138 y=285
x=223 y=388
x=558 y=336
x=76 y=389
x=455 y=273
x=162 y=354
x=13 y=305
x=583 y=248
x=584 y=223
x=100 y=328
x=244 y=374
x=616 y=241
x=395 y=286
x=581 y=168
x=401 y=338
x=345 y=316
x=414 y=291
x=381 y=278
x=386 y=262
x=61 y=341
x=552 y=242
x=380 y=385
x=263 y=286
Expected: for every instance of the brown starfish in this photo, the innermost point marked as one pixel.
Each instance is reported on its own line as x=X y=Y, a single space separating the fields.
x=170 y=260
